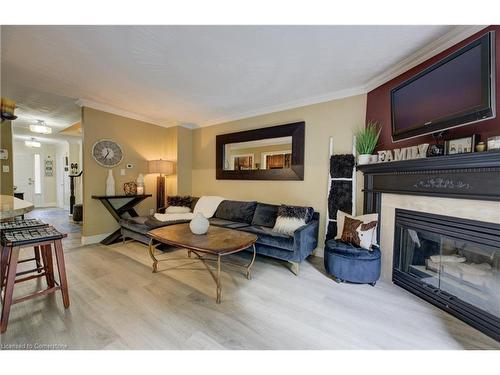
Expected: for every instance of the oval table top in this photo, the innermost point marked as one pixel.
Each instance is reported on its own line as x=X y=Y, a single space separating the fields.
x=11 y=207
x=216 y=241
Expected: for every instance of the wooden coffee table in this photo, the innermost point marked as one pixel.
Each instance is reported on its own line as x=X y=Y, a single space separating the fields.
x=218 y=242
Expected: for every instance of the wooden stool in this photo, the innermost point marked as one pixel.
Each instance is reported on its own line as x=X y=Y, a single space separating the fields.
x=43 y=238
x=18 y=225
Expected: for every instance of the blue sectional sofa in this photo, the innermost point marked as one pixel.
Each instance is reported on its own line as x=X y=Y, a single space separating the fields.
x=254 y=217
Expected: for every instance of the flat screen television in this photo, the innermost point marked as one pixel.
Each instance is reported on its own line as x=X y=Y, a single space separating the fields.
x=458 y=90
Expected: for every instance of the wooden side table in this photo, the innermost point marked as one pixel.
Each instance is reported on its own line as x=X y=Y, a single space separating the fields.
x=119 y=212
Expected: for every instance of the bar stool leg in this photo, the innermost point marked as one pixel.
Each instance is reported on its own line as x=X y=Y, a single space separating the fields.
x=37 y=258
x=48 y=265
x=61 y=267
x=3 y=265
x=9 y=288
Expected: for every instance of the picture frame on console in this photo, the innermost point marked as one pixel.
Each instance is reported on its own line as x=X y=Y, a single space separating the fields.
x=461 y=145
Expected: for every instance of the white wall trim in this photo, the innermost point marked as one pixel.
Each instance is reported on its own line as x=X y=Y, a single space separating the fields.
x=86 y=240
x=121 y=112
x=319 y=252
x=456 y=35
x=448 y=40
x=47 y=205
x=287 y=105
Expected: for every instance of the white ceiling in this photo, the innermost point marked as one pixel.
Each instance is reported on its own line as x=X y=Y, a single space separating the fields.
x=200 y=74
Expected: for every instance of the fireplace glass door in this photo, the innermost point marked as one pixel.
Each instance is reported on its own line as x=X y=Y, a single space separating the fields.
x=461 y=268
x=453 y=263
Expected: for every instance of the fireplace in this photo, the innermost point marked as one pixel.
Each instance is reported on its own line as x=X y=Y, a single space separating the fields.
x=453 y=263
x=440 y=231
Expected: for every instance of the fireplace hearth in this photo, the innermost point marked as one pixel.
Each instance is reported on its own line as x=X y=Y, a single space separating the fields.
x=452 y=263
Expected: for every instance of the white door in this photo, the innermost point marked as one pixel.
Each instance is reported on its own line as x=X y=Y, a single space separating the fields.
x=24 y=176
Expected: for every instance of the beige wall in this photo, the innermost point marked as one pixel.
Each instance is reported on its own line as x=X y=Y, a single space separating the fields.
x=6 y=179
x=184 y=160
x=140 y=142
x=336 y=118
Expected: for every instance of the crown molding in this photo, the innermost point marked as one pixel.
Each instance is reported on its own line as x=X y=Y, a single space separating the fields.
x=121 y=112
x=456 y=35
x=189 y=125
x=287 y=105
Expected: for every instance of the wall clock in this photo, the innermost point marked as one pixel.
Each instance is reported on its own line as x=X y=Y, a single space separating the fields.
x=107 y=153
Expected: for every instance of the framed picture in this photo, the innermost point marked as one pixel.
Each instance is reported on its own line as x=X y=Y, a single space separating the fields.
x=48 y=168
x=461 y=145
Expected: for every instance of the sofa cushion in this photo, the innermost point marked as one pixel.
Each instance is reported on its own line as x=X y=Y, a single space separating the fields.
x=241 y=212
x=266 y=236
x=348 y=250
x=265 y=215
x=153 y=223
x=136 y=224
x=226 y=223
x=179 y=201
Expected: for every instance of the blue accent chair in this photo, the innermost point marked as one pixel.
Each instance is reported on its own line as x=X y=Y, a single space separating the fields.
x=347 y=262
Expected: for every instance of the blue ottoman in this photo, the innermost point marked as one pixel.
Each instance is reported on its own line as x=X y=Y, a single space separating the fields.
x=347 y=262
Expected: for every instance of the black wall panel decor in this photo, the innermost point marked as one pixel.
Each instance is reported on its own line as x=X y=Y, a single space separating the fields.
x=340 y=194
x=340 y=198
x=341 y=166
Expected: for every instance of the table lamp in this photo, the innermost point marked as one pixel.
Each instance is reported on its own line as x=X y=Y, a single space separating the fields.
x=163 y=168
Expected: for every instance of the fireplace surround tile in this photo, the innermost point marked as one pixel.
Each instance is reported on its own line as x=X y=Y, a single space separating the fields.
x=462 y=208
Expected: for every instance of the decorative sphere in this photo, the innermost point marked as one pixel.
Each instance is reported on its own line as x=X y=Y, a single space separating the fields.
x=199 y=224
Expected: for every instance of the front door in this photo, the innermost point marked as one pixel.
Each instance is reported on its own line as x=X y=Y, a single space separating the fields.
x=24 y=177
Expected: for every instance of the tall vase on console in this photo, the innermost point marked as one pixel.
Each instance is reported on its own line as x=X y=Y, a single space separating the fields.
x=110 y=183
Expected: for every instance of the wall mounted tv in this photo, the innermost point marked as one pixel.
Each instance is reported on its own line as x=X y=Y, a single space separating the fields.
x=458 y=90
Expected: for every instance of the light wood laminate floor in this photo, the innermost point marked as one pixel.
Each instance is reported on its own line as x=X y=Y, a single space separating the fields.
x=118 y=303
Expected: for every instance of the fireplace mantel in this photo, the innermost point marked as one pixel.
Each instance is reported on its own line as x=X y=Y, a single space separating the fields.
x=466 y=176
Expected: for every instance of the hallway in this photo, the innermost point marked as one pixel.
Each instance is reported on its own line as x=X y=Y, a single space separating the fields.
x=61 y=220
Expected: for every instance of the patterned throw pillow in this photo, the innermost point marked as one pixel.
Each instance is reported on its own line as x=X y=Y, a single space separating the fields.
x=364 y=218
x=357 y=233
x=290 y=218
x=179 y=201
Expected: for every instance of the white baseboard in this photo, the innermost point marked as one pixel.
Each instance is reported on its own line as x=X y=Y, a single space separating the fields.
x=319 y=252
x=46 y=205
x=87 y=240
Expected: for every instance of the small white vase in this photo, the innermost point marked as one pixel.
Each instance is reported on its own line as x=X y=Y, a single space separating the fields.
x=140 y=184
x=364 y=159
x=110 y=184
x=199 y=224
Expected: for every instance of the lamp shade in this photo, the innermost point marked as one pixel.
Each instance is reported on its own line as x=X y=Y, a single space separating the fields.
x=161 y=166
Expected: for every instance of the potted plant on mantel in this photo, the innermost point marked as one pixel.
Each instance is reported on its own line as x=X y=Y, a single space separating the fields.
x=366 y=141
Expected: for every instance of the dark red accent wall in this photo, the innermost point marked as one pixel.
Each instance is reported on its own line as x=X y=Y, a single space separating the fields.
x=379 y=102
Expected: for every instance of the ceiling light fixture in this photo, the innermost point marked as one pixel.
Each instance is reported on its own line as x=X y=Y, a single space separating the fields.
x=32 y=143
x=41 y=127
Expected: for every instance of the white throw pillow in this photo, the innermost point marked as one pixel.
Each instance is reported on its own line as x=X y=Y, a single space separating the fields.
x=177 y=210
x=288 y=225
x=366 y=237
x=364 y=218
x=207 y=205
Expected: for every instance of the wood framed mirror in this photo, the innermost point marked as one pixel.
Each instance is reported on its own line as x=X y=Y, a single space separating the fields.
x=273 y=153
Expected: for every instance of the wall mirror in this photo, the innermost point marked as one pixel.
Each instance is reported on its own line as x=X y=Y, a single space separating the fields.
x=272 y=153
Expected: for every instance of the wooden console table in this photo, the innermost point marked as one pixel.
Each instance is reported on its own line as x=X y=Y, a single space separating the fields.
x=119 y=212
